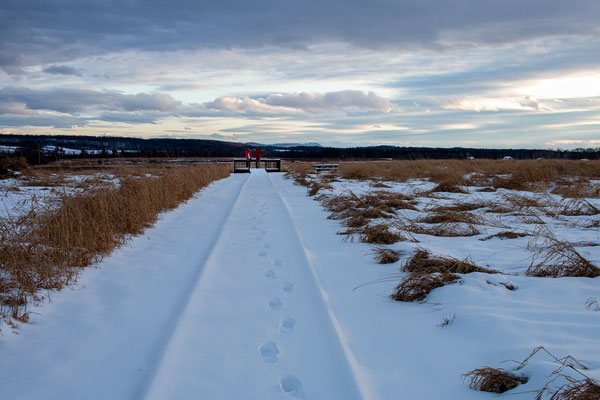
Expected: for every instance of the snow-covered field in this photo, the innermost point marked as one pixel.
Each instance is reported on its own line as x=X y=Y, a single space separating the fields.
x=22 y=194
x=246 y=292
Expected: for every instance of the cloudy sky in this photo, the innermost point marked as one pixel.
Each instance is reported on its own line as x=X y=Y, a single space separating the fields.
x=476 y=73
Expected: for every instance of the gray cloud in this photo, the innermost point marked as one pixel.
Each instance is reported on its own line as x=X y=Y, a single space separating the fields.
x=73 y=101
x=62 y=70
x=40 y=32
x=294 y=103
x=530 y=102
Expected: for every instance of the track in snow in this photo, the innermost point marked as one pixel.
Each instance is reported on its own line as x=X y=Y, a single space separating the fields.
x=255 y=324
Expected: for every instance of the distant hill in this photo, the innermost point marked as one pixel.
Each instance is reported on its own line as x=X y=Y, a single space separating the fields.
x=43 y=148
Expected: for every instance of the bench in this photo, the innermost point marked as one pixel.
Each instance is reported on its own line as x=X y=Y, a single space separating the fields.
x=325 y=167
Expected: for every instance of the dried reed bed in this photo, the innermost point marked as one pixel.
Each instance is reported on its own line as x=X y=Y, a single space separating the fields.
x=585 y=389
x=415 y=287
x=429 y=272
x=383 y=255
x=358 y=213
x=10 y=165
x=506 y=235
x=423 y=262
x=511 y=174
x=46 y=248
x=559 y=258
x=495 y=380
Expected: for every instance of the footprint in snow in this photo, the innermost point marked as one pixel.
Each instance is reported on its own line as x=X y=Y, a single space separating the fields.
x=263 y=232
x=292 y=386
x=277 y=263
x=253 y=227
x=270 y=274
x=288 y=287
x=258 y=238
x=269 y=351
x=262 y=254
x=267 y=245
x=287 y=325
x=275 y=304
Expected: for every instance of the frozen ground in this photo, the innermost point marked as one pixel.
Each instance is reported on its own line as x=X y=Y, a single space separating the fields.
x=247 y=292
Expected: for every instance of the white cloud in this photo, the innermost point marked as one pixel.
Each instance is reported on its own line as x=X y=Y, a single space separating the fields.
x=580 y=85
x=246 y=105
x=303 y=102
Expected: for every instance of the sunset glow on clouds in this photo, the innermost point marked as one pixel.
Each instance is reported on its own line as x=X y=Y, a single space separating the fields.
x=412 y=73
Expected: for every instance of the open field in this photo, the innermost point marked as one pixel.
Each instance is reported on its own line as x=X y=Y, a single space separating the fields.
x=382 y=280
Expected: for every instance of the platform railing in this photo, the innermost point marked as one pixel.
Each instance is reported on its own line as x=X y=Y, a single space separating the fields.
x=244 y=165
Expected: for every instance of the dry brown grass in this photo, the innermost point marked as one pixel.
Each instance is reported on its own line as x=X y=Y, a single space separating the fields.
x=357 y=212
x=443 y=230
x=585 y=389
x=576 y=207
x=506 y=235
x=513 y=174
x=379 y=234
x=459 y=206
x=448 y=217
x=383 y=255
x=416 y=286
x=423 y=262
x=495 y=380
x=558 y=258
x=448 y=186
x=10 y=165
x=46 y=248
x=581 y=188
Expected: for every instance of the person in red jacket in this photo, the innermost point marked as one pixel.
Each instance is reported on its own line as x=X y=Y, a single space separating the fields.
x=257 y=154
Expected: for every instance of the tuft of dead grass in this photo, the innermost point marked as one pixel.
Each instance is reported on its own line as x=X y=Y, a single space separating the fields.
x=449 y=186
x=495 y=380
x=585 y=389
x=576 y=207
x=423 y=262
x=558 y=258
x=448 y=217
x=416 y=286
x=460 y=206
x=580 y=188
x=383 y=255
x=379 y=234
x=506 y=235
x=444 y=230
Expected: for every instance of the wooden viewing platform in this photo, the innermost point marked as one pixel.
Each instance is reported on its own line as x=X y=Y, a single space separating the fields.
x=244 y=164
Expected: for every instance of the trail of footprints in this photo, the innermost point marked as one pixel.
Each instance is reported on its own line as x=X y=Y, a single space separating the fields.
x=269 y=350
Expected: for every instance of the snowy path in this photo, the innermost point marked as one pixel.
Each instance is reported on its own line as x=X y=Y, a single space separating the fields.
x=255 y=325
x=217 y=301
